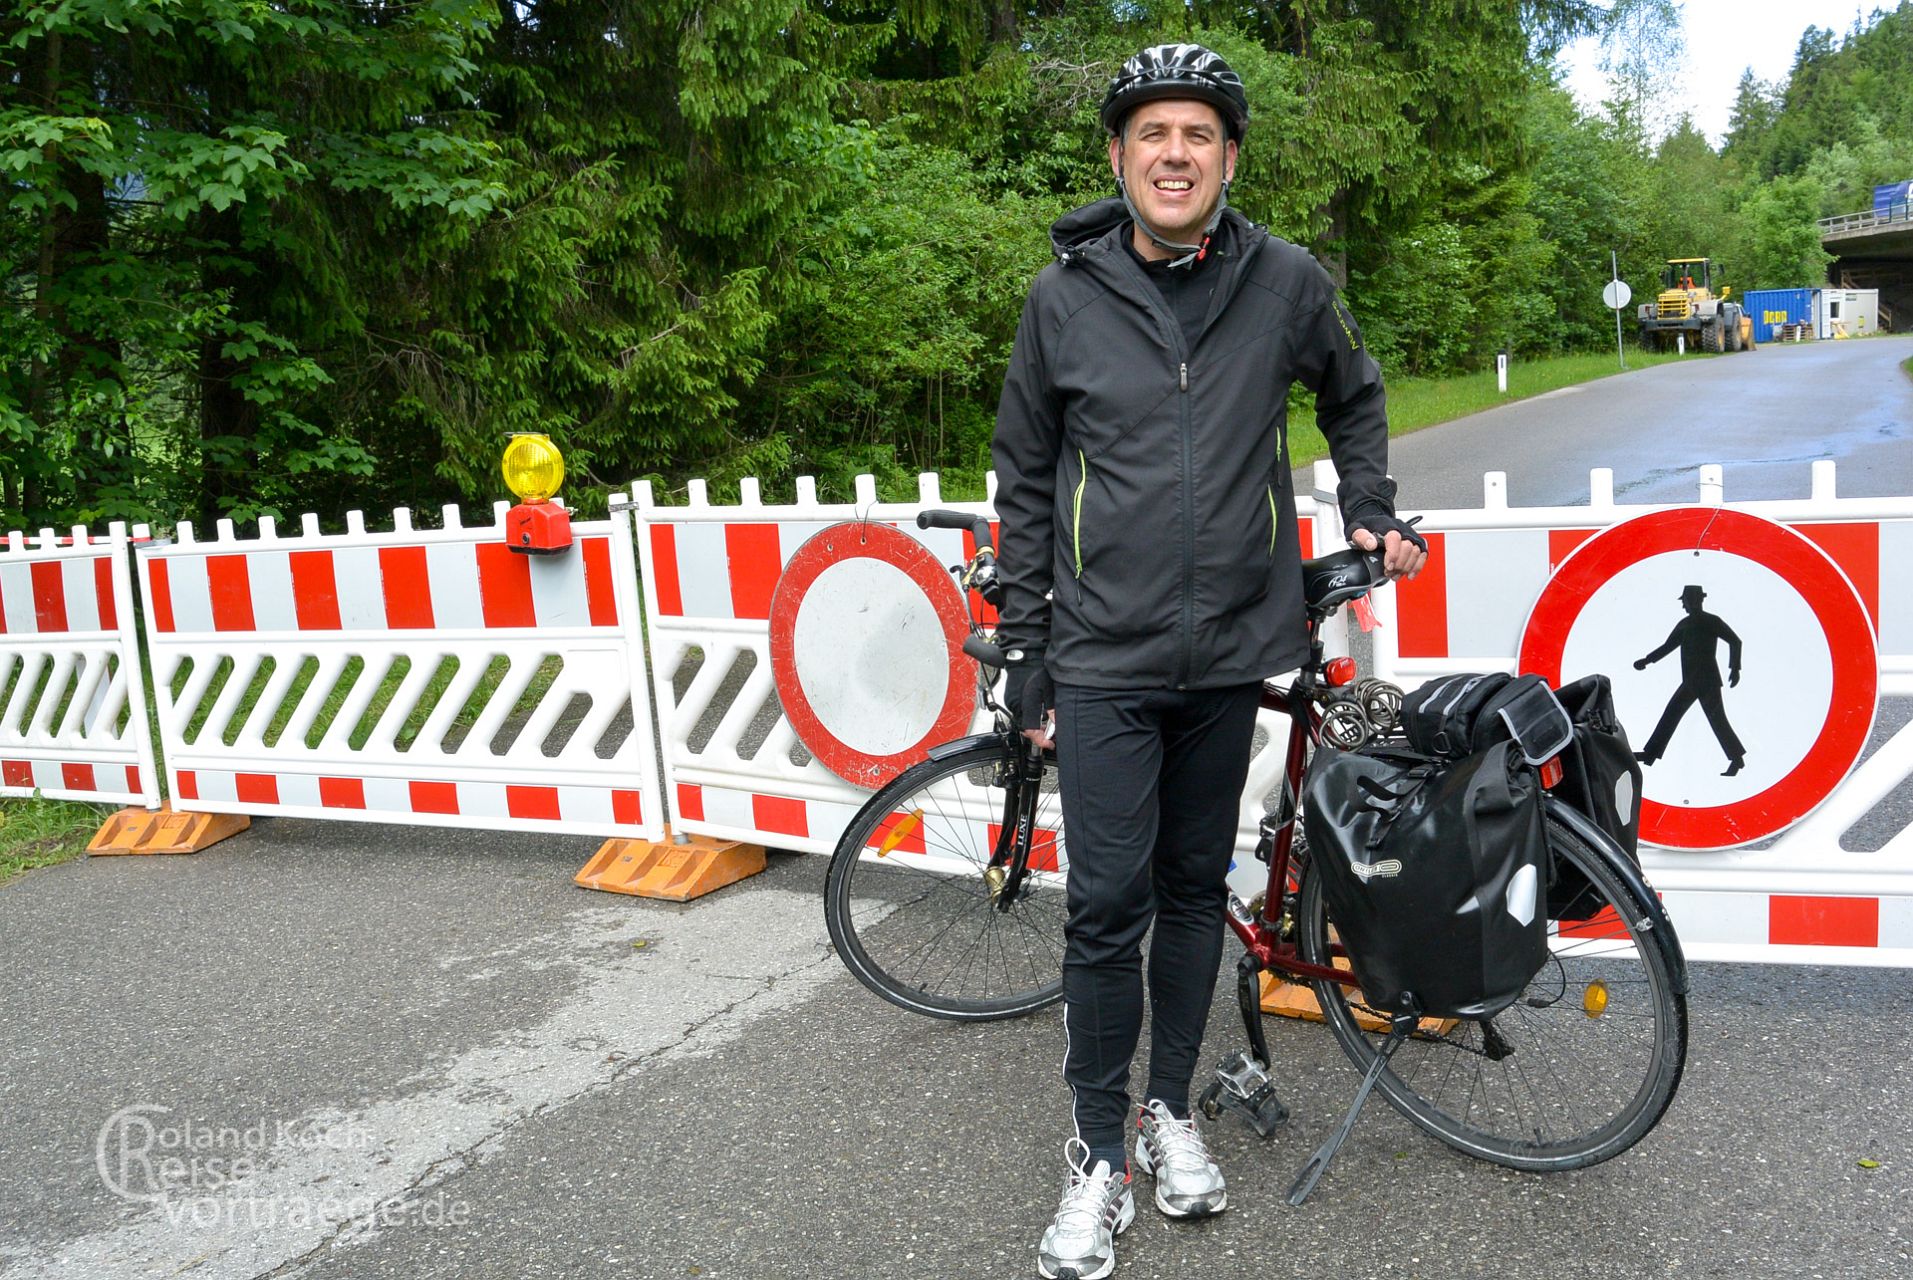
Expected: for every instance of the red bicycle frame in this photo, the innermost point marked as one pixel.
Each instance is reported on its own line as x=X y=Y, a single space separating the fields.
x=1261 y=936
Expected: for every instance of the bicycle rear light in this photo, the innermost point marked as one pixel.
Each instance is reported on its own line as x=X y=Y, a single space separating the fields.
x=1339 y=671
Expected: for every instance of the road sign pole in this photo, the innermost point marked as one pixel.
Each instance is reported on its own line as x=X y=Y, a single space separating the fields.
x=1620 y=348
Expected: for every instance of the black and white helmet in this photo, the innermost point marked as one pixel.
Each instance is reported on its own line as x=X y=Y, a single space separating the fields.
x=1177 y=71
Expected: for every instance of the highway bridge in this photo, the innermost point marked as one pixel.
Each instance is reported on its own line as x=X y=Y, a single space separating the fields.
x=1874 y=250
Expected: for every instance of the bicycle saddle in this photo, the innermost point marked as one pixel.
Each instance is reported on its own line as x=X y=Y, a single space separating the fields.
x=1331 y=580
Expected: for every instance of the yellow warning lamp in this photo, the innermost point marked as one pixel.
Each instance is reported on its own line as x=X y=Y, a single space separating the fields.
x=533 y=470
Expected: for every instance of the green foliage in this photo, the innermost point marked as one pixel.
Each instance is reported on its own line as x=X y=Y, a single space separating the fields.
x=317 y=255
x=1783 y=242
x=180 y=246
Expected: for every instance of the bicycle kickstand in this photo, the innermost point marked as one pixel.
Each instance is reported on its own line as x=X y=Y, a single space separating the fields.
x=1242 y=1081
x=1401 y=1026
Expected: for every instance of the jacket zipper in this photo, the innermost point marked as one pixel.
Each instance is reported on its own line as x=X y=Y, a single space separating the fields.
x=1076 y=515
x=1188 y=538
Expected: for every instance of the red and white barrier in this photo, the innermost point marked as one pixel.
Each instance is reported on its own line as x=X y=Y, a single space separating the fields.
x=412 y=676
x=1487 y=566
x=72 y=720
x=1807 y=896
x=710 y=574
x=733 y=766
x=433 y=677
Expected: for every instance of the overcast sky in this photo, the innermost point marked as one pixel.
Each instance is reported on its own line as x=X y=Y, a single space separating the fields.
x=1724 y=38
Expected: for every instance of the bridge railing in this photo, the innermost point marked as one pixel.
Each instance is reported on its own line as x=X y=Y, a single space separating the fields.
x=1861 y=221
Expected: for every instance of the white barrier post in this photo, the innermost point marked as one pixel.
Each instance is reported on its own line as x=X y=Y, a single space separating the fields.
x=73 y=717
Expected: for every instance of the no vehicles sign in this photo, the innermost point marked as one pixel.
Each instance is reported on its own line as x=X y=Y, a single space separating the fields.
x=866 y=641
x=1745 y=667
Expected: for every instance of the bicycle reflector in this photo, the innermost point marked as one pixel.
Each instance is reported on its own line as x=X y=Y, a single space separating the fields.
x=1339 y=671
x=533 y=470
x=1594 y=999
x=1551 y=772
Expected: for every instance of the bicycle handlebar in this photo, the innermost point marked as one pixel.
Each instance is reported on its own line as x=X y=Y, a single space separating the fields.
x=979 y=526
x=984 y=650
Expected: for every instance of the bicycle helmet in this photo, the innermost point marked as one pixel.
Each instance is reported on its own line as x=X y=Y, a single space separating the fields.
x=1177 y=71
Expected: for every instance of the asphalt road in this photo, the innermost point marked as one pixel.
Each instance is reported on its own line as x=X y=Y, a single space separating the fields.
x=1766 y=416
x=536 y=1080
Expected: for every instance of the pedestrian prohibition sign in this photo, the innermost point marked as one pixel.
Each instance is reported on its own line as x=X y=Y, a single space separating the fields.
x=867 y=634
x=1745 y=667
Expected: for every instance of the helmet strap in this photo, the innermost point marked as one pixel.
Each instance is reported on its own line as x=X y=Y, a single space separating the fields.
x=1188 y=254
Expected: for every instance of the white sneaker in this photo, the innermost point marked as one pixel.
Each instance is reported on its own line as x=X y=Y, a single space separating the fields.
x=1188 y=1183
x=1080 y=1243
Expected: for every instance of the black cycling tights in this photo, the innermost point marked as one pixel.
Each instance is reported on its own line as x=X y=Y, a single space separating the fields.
x=1151 y=782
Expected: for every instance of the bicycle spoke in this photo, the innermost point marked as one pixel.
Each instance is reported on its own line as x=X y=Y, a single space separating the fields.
x=934 y=935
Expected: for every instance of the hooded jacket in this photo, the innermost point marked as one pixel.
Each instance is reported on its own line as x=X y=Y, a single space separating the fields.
x=1148 y=517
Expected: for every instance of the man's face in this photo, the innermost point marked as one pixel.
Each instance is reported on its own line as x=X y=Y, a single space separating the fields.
x=1174 y=156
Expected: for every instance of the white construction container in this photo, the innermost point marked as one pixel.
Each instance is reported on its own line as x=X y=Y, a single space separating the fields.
x=1846 y=313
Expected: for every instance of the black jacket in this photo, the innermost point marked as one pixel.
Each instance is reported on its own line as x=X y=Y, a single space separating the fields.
x=1148 y=518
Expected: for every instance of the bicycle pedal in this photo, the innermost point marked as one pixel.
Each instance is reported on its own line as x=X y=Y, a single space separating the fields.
x=1242 y=1076
x=1243 y=1086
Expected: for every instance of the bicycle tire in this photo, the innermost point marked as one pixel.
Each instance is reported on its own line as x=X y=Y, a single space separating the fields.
x=917 y=924
x=1578 y=1087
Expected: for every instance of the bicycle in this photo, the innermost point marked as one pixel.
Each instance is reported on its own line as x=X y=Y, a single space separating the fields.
x=945 y=896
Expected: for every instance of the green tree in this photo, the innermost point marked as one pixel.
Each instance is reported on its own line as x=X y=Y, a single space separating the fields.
x=198 y=191
x=1783 y=248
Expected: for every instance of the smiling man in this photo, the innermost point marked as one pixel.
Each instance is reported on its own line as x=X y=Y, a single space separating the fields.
x=1152 y=580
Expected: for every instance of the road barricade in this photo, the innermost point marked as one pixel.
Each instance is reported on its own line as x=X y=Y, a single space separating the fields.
x=73 y=722
x=437 y=678
x=431 y=677
x=734 y=766
x=1813 y=889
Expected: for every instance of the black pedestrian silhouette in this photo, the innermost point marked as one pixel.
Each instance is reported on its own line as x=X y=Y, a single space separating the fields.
x=1697 y=636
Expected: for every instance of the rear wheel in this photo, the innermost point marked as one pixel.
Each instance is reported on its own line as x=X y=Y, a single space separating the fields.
x=911 y=903
x=1577 y=1070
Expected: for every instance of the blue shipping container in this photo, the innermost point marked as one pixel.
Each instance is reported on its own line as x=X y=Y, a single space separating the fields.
x=1893 y=199
x=1771 y=308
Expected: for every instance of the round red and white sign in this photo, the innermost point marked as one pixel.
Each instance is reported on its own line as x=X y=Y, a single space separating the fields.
x=867 y=634
x=1745 y=667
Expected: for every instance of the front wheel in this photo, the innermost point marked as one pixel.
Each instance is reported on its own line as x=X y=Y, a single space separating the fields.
x=1576 y=1070
x=915 y=908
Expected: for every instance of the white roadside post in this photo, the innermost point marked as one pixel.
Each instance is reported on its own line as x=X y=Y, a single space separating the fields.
x=1501 y=371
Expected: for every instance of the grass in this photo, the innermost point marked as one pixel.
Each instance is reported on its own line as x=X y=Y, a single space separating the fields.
x=38 y=832
x=1414 y=403
x=376 y=708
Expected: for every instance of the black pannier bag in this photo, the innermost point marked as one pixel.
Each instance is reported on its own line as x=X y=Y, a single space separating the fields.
x=1601 y=778
x=1460 y=715
x=1435 y=872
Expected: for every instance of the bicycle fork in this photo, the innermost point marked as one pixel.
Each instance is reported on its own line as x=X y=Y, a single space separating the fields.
x=1010 y=860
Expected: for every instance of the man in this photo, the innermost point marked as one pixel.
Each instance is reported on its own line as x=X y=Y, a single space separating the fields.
x=1698 y=637
x=1152 y=579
